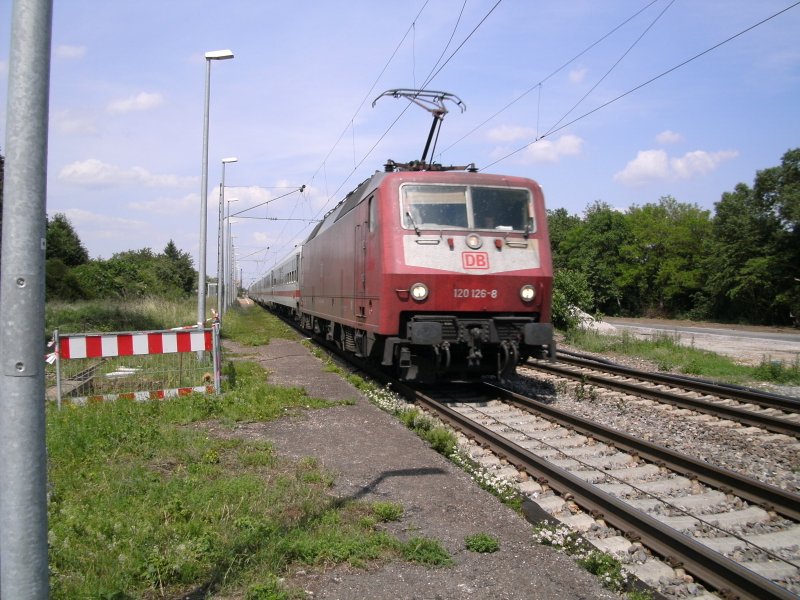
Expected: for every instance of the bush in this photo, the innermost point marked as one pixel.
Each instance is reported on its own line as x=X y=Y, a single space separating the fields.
x=570 y=289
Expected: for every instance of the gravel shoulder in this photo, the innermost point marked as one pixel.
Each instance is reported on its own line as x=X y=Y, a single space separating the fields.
x=375 y=458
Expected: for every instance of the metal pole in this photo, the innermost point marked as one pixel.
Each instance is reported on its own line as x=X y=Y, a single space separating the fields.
x=201 y=271
x=230 y=261
x=23 y=468
x=201 y=262
x=220 y=251
x=57 y=349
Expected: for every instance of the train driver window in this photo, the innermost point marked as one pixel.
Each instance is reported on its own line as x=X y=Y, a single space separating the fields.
x=501 y=209
x=434 y=206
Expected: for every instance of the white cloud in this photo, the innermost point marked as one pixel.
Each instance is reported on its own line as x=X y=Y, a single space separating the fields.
x=547 y=150
x=699 y=162
x=656 y=165
x=141 y=101
x=97 y=174
x=669 y=137
x=510 y=133
x=578 y=75
x=70 y=52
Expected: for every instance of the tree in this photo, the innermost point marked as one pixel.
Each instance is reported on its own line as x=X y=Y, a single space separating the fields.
x=560 y=223
x=754 y=263
x=661 y=267
x=181 y=266
x=593 y=248
x=63 y=243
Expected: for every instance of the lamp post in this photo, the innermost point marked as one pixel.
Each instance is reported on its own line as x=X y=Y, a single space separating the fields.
x=232 y=284
x=221 y=239
x=201 y=267
x=226 y=256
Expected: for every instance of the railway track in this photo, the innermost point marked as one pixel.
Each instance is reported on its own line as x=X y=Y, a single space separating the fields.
x=737 y=535
x=774 y=413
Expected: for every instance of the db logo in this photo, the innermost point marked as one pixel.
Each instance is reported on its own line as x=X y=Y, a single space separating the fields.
x=475 y=260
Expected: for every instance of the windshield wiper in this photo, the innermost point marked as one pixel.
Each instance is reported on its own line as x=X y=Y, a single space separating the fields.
x=410 y=218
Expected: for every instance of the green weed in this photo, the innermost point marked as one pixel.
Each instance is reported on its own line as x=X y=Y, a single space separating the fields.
x=427 y=552
x=387 y=511
x=482 y=542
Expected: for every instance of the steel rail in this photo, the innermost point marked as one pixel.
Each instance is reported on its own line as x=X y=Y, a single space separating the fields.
x=737 y=393
x=745 y=417
x=771 y=497
x=718 y=571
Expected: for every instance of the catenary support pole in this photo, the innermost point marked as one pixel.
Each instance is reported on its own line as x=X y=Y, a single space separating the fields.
x=23 y=474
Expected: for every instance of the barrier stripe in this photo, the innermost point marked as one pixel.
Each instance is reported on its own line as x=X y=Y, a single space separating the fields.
x=128 y=344
x=141 y=396
x=125 y=343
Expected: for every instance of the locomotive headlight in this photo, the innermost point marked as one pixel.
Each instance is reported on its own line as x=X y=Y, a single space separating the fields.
x=527 y=293
x=419 y=291
x=474 y=241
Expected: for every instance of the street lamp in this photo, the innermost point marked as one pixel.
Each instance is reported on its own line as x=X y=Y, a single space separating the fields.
x=221 y=238
x=201 y=267
x=226 y=256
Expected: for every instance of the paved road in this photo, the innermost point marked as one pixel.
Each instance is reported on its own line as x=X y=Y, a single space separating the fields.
x=747 y=345
x=734 y=332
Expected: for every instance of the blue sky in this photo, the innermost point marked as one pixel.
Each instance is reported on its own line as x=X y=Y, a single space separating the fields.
x=295 y=105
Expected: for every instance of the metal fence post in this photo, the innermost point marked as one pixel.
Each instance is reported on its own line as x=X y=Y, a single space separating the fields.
x=23 y=468
x=57 y=350
x=217 y=358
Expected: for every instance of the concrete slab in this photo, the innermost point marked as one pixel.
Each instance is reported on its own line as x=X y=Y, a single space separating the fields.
x=659 y=487
x=651 y=571
x=581 y=521
x=778 y=540
x=616 y=545
x=752 y=514
x=551 y=504
x=688 y=502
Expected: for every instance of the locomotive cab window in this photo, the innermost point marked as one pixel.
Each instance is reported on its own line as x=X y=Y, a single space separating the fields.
x=502 y=209
x=434 y=206
x=463 y=207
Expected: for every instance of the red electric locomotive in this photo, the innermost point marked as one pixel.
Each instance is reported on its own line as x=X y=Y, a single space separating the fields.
x=439 y=274
x=435 y=273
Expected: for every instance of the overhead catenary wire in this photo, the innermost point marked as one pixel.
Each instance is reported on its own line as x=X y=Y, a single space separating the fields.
x=643 y=84
x=549 y=76
x=428 y=79
x=614 y=66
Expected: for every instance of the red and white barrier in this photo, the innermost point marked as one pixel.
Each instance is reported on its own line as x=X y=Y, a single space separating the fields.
x=130 y=344
x=141 y=343
x=142 y=396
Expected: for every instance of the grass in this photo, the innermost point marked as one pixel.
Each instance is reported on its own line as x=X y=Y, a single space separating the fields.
x=253 y=326
x=668 y=354
x=118 y=315
x=482 y=543
x=604 y=566
x=144 y=502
